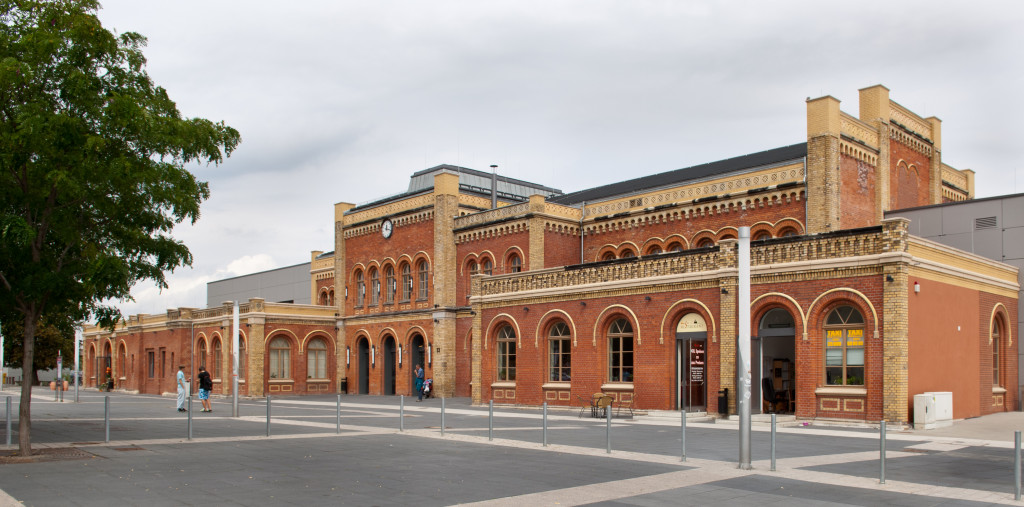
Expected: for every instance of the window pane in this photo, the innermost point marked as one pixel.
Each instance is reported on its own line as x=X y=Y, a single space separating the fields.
x=854 y=356
x=855 y=376
x=833 y=356
x=834 y=376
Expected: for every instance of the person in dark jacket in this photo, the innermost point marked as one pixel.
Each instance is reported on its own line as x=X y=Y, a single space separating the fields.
x=418 y=371
x=205 y=386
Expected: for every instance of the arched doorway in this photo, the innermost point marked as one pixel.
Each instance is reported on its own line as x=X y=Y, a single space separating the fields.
x=389 y=365
x=691 y=363
x=418 y=352
x=364 y=366
x=773 y=353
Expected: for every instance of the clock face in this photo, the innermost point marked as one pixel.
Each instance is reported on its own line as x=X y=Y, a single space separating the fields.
x=387 y=228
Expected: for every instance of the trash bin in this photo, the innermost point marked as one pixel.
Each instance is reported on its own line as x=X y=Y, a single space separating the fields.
x=723 y=401
x=343 y=389
x=110 y=385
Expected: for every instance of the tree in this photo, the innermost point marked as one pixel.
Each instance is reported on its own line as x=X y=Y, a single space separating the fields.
x=52 y=336
x=93 y=170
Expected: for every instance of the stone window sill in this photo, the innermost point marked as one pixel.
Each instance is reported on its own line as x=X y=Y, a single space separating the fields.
x=502 y=385
x=556 y=385
x=617 y=386
x=841 y=391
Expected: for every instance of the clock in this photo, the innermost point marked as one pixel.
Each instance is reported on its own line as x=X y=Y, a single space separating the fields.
x=387 y=228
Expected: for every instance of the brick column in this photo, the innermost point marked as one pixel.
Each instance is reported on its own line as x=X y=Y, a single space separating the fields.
x=535 y=256
x=895 y=330
x=728 y=326
x=823 y=203
x=446 y=208
x=341 y=290
x=935 y=168
x=255 y=350
x=477 y=351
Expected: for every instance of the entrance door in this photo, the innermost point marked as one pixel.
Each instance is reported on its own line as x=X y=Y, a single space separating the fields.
x=773 y=354
x=419 y=351
x=389 y=365
x=691 y=363
x=364 y=367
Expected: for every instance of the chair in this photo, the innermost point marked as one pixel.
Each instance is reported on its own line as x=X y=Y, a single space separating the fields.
x=772 y=399
x=602 y=403
x=626 y=404
x=585 y=403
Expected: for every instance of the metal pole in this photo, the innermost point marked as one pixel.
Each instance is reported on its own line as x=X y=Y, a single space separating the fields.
x=234 y=361
x=339 y=414
x=442 y=416
x=3 y=370
x=77 y=376
x=490 y=419
x=773 y=442
x=881 y=452
x=401 y=413
x=106 y=416
x=8 y=421
x=545 y=426
x=268 y=415
x=743 y=345
x=1017 y=465
x=682 y=424
x=189 y=418
x=608 y=430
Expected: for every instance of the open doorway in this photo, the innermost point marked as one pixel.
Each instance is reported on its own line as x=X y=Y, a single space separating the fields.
x=773 y=351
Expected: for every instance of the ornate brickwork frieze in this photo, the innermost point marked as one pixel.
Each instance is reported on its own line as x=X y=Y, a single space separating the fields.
x=425 y=215
x=858 y=130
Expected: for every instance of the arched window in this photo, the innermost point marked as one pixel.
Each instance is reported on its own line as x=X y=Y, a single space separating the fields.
x=627 y=253
x=474 y=269
x=374 y=287
x=202 y=352
x=330 y=297
x=705 y=242
x=217 y=358
x=996 y=346
x=608 y=256
x=280 y=358
x=762 y=235
x=389 y=285
x=506 y=354
x=654 y=250
x=488 y=266
x=423 y=269
x=122 y=355
x=560 y=347
x=323 y=298
x=787 y=232
x=406 y=282
x=675 y=246
x=620 y=351
x=515 y=264
x=844 y=347
x=316 y=359
x=360 y=288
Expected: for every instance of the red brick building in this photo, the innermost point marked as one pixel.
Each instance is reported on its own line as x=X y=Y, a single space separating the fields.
x=521 y=294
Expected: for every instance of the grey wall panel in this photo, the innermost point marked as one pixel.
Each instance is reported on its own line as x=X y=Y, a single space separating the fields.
x=292 y=283
x=963 y=241
x=988 y=243
x=1013 y=243
x=1013 y=212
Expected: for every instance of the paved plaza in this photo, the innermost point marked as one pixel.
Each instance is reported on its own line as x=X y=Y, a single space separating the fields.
x=372 y=460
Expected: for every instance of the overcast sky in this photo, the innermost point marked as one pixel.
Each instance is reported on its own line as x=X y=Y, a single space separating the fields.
x=341 y=101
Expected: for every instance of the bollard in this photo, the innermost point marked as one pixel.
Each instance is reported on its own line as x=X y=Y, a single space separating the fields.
x=682 y=424
x=8 y=421
x=881 y=452
x=442 y=417
x=545 y=425
x=106 y=416
x=1016 y=465
x=268 y=415
x=339 y=414
x=401 y=413
x=608 y=430
x=773 y=442
x=189 y=410
x=490 y=419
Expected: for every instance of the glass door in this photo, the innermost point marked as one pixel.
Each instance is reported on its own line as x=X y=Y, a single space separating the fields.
x=691 y=360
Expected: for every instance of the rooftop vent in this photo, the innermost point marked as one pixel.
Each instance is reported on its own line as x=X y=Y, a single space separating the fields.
x=984 y=223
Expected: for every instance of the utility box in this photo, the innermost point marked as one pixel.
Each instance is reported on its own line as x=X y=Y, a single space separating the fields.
x=933 y=410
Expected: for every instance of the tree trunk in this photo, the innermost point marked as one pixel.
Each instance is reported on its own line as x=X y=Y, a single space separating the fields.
x=24 y=408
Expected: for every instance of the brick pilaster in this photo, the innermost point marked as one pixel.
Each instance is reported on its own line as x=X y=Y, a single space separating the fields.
x=895 y=315
x=823 y=203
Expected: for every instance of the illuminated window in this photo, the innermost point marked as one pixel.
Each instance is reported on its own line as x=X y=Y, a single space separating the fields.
x=844 y=347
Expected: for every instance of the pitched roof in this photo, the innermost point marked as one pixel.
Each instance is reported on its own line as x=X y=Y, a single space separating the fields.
x=697 y=172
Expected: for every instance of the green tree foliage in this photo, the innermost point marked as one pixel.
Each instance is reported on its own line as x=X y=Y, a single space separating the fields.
x=52 y=336
x=93 y=173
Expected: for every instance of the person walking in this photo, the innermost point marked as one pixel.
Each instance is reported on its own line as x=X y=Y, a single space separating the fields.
x=181 y=388
x=419 y=382
x=205 y=386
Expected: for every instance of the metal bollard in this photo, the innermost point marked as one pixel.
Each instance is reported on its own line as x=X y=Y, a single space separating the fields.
x=401 y=413
x=442 y=417
x=881 y=452
x=339 y=414
x=189 y=410
x=773 y=442
x=268 y=415
x=545 y=425
x=682 y=424
x=1017 y=465
x=608 y=430
x=490 y=419
x=8 y=421
x=106 y=416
